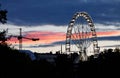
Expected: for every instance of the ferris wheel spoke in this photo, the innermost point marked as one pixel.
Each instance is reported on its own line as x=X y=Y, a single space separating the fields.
x=76 y=35
x=74 y=41
x=79 y=35
x=81 y=32
x=78 y=27
x=74 y=38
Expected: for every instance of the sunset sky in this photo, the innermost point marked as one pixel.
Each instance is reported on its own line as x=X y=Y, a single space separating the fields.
x=48 y=21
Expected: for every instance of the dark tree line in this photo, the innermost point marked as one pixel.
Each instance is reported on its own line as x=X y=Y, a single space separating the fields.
x=14 y=64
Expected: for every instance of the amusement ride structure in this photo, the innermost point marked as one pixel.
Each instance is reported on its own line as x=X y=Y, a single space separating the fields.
x=81 y=34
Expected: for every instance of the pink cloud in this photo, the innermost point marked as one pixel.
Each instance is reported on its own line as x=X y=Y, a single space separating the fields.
x=45 y=37
x=108 y=33
x=50 y=37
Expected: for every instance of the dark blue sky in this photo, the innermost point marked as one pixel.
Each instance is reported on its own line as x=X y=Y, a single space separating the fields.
x=59 y=12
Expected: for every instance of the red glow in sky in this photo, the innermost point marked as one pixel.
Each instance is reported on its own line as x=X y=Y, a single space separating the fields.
x=108 y=33
x=50 y=37
x=44 y=37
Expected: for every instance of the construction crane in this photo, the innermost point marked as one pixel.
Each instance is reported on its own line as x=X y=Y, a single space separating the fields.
x=3 y=37
x=20 y=37
x=20 y=40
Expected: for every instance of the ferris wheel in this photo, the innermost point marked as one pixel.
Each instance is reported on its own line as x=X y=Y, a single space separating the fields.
x=81 y=35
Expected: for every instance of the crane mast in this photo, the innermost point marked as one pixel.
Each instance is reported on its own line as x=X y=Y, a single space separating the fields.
x=3 y=37
x=20 y=37
x=20 y=40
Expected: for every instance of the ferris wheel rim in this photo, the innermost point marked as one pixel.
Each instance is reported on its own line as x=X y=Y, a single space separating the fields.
x=90 y=24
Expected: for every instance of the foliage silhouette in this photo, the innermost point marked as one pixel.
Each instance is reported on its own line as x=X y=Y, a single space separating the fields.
x=16 y=64
x=3 y=16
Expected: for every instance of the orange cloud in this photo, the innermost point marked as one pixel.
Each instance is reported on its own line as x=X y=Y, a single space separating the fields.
x=50 y=37
x=108 y=33
x=45 y=37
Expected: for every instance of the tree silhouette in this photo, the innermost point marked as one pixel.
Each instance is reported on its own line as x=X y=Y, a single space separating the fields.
x=3 y=16
x=3 y=37
x=3 y=20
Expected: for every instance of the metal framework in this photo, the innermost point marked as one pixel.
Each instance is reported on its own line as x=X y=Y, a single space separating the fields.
x=83 y=35
x=20 y=37
x=4 y=37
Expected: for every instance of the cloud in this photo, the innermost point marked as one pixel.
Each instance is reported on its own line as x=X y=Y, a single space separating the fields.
x=54 y=29
x=103 y=42
x=110 y=38
x=41 y=45
x=49 y=19
x=111 y=46
x=55 y=35
x=108 y=26
x=46 y=33
x=28 y=28
x=100 y=1
x=41 y=12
